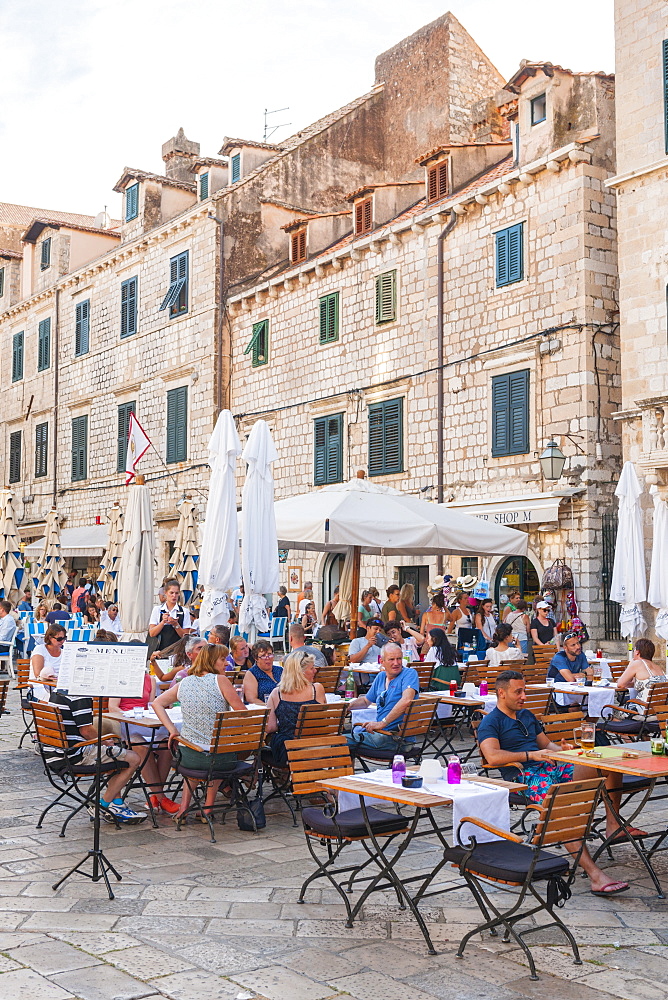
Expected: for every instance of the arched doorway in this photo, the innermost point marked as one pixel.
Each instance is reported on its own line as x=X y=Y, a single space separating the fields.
x=332 y=574
x=515 y=573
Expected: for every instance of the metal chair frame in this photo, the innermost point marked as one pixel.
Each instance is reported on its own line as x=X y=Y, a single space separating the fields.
x=417 y=721
x=658 y=698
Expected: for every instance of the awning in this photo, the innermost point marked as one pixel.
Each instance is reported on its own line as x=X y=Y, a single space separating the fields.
x=87 y=541
x=536 y=508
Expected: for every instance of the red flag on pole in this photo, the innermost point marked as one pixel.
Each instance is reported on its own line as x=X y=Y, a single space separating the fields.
x=138 y=443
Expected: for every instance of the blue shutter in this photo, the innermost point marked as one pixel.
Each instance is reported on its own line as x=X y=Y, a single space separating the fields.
x=81 y=328
x=500 y=397
x=328 y=449
x=17 y=356
x=131 y=202
x=2 y=281
x=509 y=252
x=41 y=449
x=320 y=451
x=44 y=345
x=45 y=254
x=15 y=457
x=128 y=307
x=177 y=424
x=124 y=411
x=510 y=414
x=236 y=167
x=386 y=437
x=177 y=293
x=79 y=448
x=203 y=186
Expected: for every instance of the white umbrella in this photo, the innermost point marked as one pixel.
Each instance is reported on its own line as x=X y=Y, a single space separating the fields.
x=112 y=555
x=50 y=576
x=657 y=595
x=136 y=576
x=12 y=570
x=259 y=548
x=219 y=564
x=185 y=558
x=629 y=585
x=344 y=605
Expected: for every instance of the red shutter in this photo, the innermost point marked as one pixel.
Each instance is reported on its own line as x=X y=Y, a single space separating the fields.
x=359 y=217
x=368 y=215
x=432 y=184
x=442 y=179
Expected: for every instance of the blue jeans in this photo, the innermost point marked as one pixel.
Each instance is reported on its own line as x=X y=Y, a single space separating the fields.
x=524 y=645
x=377 y=741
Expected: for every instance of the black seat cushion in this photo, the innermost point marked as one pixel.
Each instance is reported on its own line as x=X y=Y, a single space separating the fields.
x=628 y=727
x=632 y=784
x=508 y=862
x=370 y=753
x=351 y=822
x=84 y=769
x=268 y=758
x=240 y=769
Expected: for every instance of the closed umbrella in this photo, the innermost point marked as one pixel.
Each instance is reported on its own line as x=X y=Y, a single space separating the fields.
x=219 y=566
x=657 y=595
x=343 y=607
x=185 y=558
x=629 y=585
x=136 y=575
x=259 y=548
x=50 y=576
x=112 y=556
x=12 y=570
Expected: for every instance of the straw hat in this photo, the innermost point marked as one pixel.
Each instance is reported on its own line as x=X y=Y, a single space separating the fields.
x=467 y=582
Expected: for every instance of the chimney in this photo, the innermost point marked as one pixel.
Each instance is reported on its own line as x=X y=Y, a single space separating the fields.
x=179 y=155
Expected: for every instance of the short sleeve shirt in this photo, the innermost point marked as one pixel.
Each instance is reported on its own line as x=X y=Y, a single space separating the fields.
x=76 y=712
x=545 y=633
x=371 y=656
x=561 y=662
x=390 y=694
x=514 y=735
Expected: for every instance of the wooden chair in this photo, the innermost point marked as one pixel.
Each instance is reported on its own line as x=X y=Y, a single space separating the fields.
x=538 y=702
x=320 y=721
x=330 y=678
x=638 y=722
x=469 y=675
x=4 y=691
x=425 y=672
x=543 y=653
x=617 y=668
x=23 y=686
x=415 y=725
x=534 y=673
x=560 y=727
x=526 y=868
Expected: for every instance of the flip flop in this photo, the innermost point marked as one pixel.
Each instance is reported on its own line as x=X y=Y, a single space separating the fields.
x=622 y=836
x=608 y=889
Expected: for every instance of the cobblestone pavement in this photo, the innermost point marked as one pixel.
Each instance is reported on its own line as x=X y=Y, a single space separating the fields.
x=199 y=921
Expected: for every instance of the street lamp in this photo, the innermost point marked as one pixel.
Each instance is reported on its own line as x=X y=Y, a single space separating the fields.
x=552 y=461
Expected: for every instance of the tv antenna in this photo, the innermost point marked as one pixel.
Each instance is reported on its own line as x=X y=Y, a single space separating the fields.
x=270 y=129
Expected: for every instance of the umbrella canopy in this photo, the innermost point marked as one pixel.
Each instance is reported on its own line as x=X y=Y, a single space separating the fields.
x=50 y=576
x=259 y=549
x=136 y=575
x=111 y=559
x=629 y=585
x=657 y=595
x=185 y=558
x=12 y=570
x=219 y=565
x=381 y=520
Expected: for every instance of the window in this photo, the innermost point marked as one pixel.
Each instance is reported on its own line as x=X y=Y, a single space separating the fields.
x=131 y=202
x=128 y=307
x=45 y=258
x=17 y=356
x=177 y=293
x=329 y=318
x=298 y=247
x=328 y=450
x=510 y=414
x=41 y=449
x=364 y=216
x=538 y=109
x=177 y=424
x=509 y=255
x=469 y=566
x=124 y=411
x=44 y=345
x=79 y=448
x=236 y=167
x=258 y=347
x=386 y=447
x=437 y=181
x=15 y=457
x=203 y=186
x=665 y=92
x=386 y=297
x=82 y=328
x=2 y=281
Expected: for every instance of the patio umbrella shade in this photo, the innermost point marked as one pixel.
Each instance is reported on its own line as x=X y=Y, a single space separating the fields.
x=629 y=583
x=136 y=575
x=259 y=549
x=343 y=608
x=219 y=566
x=112 y=556
x=50 y=576
x=12 y=571
x=657 y=595
x=184 y=562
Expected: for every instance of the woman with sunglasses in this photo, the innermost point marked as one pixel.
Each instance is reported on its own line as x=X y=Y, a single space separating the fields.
x=45 y=660
x=296 y=687
x=263 y=676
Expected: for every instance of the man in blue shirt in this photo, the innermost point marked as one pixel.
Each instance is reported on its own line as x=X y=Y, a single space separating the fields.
x=7 y=627
x=394 y=688
x=25 y=604
x=570 y=660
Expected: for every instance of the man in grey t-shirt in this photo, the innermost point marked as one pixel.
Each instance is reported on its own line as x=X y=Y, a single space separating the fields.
x=296 y=639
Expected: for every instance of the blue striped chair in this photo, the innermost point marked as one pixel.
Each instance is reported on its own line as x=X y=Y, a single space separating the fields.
x=278 y=630
x=32 y=631
x=81 y=634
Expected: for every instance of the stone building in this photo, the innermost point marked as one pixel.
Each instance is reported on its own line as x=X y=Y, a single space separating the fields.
x=641 y=187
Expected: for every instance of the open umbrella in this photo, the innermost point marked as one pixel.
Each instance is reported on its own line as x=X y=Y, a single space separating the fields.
x=112 y=556
x=12 y=570
x=50 y=576
x=629 y=585
x=657 y=595
x=136 y=575
x=184 y=562
x=259 y=549
x=219 y=564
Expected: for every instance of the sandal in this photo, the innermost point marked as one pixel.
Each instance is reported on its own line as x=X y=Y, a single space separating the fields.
x=611 y=889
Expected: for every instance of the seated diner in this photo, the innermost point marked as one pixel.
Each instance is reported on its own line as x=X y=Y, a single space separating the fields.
x=296 y=687
x=263 y=676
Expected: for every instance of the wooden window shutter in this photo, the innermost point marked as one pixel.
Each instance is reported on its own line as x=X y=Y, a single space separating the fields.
x=44 y=345
x=510 y=414
x=515 y=269
x=329 y=318
x=45 y=254
x=15 y=457
x=203 y=186
x=386 y=297
x=2 y=281
x=128 y=307
x=41 y=449
x=368 y=215
x=236 y=167
x=386 y=437
x=131 y=202
x=320 y=451
x=81 y=328
x=328 y=449
x=17 y=356
x=79 y=448
x=298 y=246
x=509 y=253
x=432 y=184
x=443 y=179
x=124 y=411
x=177 y=424
x=500 y=392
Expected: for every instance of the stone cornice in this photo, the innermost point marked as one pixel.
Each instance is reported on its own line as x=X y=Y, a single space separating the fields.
x=632 y=175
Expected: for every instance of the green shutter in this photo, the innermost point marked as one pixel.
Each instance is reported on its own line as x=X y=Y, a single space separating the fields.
x=328 y=449
x=41 y=449
x=17 y=356
x=176 y=298
x=177 y=424
x=81 y=328
x=124 y=411
x=45 y=254
x=128 y=307
x=329 y=318
x=2 y=281
x=386 y=297
x=510 y=414
x=203 y=186
x=386 y=445
x=509 y=252
x=236 y=167
x=44 y=345
x=131 y=202
x=79 y=448
x=258 y=346
x=15 y=457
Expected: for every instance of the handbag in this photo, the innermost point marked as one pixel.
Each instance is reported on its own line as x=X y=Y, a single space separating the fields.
x=558 y=577
x=256 y=809
x=481 y=589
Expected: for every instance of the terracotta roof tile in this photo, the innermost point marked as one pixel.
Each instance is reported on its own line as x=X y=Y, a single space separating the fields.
x=133 y=174
x=22 y=215
x=230 y=144
x=421 y=160
x=14 y=254
x=37 y=225
x=529 y=69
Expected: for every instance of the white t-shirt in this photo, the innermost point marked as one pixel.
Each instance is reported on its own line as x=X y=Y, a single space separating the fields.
x=111 y=624
x=494 y=656
x=159 y=608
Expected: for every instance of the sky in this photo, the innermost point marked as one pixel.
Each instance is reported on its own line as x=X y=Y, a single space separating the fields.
x=91 y=86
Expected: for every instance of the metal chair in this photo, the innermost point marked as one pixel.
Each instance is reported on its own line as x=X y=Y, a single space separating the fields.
x=330 y=678
x=639 y=722
x=8 y=657
x=415 y=725
x=277 y=633
x=23 y=686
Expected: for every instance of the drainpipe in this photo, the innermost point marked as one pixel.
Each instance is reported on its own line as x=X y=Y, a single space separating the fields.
x=56 y=362
x=440 y=408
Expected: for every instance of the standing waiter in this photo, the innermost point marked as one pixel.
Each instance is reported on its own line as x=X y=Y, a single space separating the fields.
x=170 y=621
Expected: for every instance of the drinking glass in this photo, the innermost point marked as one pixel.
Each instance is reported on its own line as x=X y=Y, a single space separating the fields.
x=577 y=737
x=588 y=739
x=580 y=679
x=469 y=771
x=598 y=672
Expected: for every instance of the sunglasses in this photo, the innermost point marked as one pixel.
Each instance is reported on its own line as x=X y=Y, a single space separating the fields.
x=60 y=638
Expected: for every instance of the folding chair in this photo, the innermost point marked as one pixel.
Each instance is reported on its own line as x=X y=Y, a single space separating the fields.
x=425 y=672
x=4 y=690
x=526 y=868
x=560 y=727
x=644 y=725
x=241 y=733
x=8 y=657
x=538 y=702
x=67 y=777
x=277 y=633
x=417 y=721
x=22 y=685
x=469 y=675
x=330 y=678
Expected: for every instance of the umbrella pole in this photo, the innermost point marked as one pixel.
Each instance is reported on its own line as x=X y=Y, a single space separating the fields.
x=355 y=591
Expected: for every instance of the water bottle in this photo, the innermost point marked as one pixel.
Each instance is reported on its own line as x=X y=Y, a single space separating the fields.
x=350 y=686
x=454 y=771
x=483 y=688
x=453 y=688
x=398 y=769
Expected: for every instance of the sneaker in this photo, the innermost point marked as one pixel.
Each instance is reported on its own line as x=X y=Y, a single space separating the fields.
x=124 y=814
x=168 y=805
x=104 y=816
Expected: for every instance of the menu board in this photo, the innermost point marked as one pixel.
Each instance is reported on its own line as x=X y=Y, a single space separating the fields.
x=102 y=670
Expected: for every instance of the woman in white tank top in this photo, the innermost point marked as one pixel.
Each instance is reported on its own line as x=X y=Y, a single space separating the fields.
x=45 y=661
